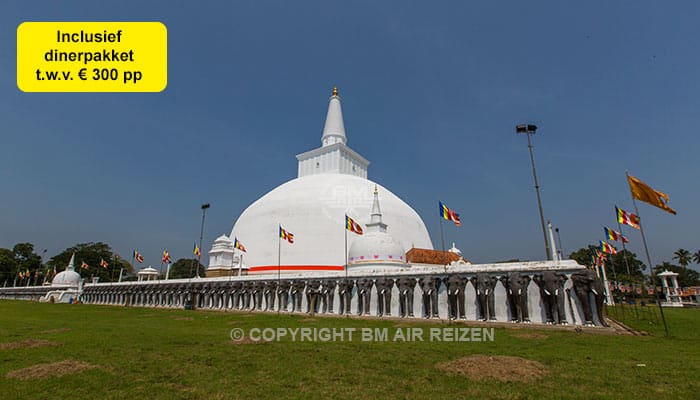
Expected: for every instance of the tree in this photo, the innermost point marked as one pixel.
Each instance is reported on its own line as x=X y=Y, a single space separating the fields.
x=683 y=257
x=615 y=264
x=696 y=257
x=92 y=254
x=686 y=276
x=8 y=267
x=185 y=268
x=20 y=259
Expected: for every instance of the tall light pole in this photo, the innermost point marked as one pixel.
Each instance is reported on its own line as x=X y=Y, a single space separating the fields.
x=201 y=233
x=530 y=130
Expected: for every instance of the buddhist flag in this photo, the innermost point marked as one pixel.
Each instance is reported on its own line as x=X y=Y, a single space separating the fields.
x=166 y=257
x=627 y=218
x=606 y=247
x=84 y=265
x=612 y=234
x=196 y=251
x=137 y=256
x=103 y=263
x=449 y=215
x=600 y=259
x=642 y=191
x=238 y=245
x=288 y=236
x=352 y=226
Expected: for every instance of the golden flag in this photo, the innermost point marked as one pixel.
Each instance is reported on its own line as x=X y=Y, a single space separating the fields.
x=645 y=193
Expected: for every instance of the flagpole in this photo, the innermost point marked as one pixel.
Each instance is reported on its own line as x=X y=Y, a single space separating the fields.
x=346 y=246
x=279 y=254
x=646 y=250
x=608 y=295
x=442 y=239
x=624 y=248
x=133 y=262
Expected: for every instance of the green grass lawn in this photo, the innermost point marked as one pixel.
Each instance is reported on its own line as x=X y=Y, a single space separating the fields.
x=172 y=354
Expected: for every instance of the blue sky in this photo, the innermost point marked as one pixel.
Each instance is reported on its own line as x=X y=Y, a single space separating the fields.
x=430 y=92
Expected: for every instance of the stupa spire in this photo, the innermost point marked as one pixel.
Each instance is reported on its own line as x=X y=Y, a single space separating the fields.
x=71 y=263
x=375 y=223
x=334 y=129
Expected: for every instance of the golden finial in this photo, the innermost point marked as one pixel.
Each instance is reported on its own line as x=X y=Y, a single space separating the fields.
x=375 y=189
x=335 y=90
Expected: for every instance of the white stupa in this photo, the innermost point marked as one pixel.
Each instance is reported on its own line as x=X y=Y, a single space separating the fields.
x=332 y=182
x=376 y=247
x=68 y=277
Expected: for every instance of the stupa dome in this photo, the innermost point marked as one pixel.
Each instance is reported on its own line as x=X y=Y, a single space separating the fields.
x=313 y=208
x=68 y=277
x=332 y=183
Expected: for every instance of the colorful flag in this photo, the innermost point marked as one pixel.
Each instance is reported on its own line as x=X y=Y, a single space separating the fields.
x=137 y=256
x=166 y=257
x=352 y=226
x=103 y=263
x=612 y=234
x=84 y=265
x=642 y=191
x=627 y=218
x=600 y=259
x=449 y=215
x=238 y=245
x=288 y=236
x=196 y=251
x=606 y=247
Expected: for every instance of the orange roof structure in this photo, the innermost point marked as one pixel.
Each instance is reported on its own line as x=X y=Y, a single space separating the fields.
x=427 y=256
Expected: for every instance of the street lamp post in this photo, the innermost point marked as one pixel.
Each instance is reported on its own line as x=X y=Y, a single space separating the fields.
x=530 y=130
x=201 y=233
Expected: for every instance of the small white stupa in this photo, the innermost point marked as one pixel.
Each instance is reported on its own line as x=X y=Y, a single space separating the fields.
x=68 y=277
x=376 y=247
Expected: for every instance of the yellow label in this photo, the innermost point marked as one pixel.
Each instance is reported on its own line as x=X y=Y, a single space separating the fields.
x=92 y=57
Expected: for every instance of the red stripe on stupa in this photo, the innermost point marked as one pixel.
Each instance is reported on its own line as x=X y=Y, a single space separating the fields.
x=261 y=268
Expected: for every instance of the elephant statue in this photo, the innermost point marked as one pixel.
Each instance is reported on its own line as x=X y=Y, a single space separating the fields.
x=221 y=301
x=516 y=291
x=485 y=297
x=456 y=286
x=552 y=293
x=283 y=295
x=258 y=289
x=246 y=294
x=364 y=295
x=313 y=296
x=407 y=287
x=345 y=293
x=384 y=287
x=430 y=286
x=236 y=289
x=327 y=294
x=586 y=283
x=269 y=294
x=297 y=295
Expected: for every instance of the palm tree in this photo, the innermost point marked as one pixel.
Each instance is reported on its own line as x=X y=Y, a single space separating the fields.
x=696 y=257
x=683 y=257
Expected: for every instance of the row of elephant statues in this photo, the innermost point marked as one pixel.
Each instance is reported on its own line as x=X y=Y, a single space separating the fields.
x=279 y=295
